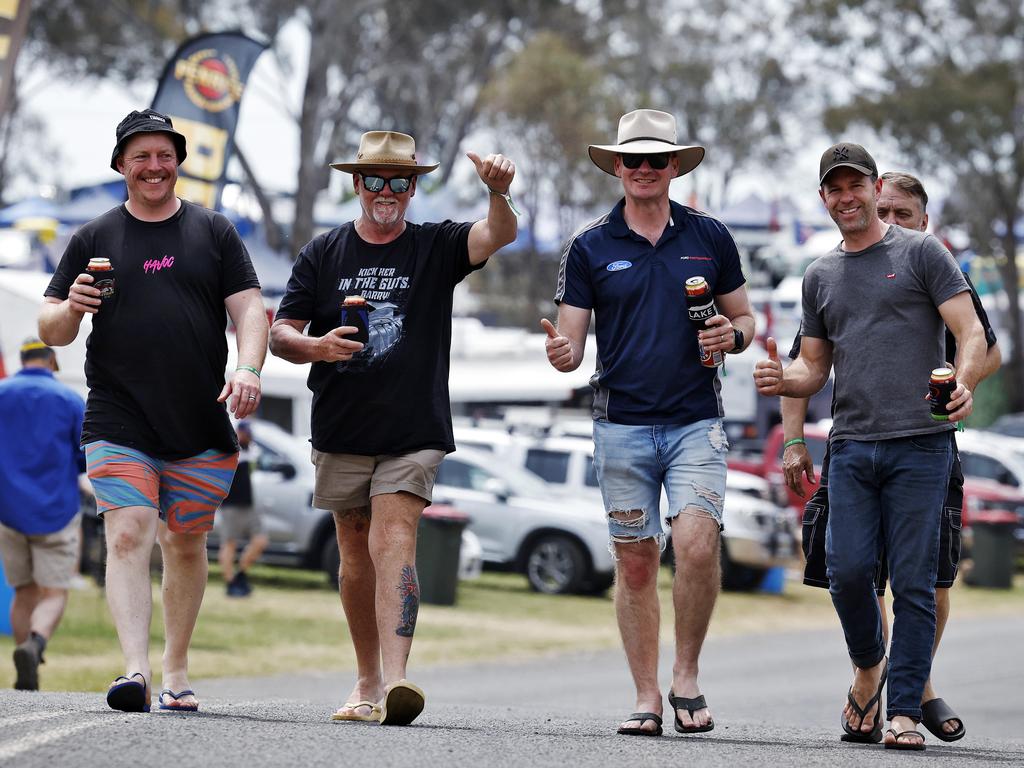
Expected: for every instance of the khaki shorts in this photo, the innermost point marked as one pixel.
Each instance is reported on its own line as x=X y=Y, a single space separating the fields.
x=239 y=522
x=47 y=560
x=347 y=480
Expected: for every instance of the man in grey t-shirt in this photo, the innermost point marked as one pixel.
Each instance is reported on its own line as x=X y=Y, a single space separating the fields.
x=875 y=308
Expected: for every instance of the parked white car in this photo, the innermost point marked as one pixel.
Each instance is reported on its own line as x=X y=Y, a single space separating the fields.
x=526 y=525
x=300 y=534
x=759 y=534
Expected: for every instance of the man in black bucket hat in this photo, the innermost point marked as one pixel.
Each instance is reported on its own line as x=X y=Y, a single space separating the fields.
x=147 y=121
x=160 y=449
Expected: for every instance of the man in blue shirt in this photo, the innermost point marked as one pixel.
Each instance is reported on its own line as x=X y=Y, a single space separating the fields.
x=657 y=406
x=39 y=525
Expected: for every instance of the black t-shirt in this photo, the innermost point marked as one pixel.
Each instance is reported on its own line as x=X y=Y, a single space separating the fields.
x=156 y=356
x=240 y=492
x=392 y=397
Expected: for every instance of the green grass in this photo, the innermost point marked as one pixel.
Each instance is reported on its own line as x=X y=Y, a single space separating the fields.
x=294 y=621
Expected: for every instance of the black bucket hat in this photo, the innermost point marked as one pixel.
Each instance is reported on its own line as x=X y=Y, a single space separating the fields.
x=147 y=121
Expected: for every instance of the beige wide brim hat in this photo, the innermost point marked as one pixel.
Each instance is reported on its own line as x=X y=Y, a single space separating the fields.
x=386 y=149
x=646 y=132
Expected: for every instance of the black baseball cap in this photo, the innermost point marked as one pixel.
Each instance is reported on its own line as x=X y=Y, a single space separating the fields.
x=147 y=121
x=849 y=155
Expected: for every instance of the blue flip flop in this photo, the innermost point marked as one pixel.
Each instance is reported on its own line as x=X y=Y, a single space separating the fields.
x=172 y=695
x=127 y=694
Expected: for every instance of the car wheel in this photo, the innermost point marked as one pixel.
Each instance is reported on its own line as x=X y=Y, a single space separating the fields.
x=739 y=578
x=555 y=565
x=330 y=560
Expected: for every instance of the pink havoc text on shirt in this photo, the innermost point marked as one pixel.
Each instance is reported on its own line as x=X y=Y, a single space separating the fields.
x=154 y=265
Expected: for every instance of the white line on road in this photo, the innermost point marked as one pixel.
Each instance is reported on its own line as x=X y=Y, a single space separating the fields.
x=41 y=738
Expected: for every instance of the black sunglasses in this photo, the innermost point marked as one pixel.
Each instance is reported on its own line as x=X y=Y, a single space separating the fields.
x=658 y=162
x=376 y=183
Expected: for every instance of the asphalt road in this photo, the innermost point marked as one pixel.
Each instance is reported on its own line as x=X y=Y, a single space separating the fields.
x=776 y=699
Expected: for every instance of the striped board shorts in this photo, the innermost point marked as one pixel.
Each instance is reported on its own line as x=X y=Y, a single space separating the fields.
x=186 y=492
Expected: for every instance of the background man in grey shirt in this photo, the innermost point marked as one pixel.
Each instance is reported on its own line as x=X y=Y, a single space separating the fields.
x=875 y=308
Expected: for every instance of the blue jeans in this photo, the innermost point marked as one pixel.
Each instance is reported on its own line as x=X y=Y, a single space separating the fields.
x=633 y=463
x=888 y=492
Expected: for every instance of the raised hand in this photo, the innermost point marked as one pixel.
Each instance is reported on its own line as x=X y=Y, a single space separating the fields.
x=768 y=373
x=559 y=348
x=495 y=171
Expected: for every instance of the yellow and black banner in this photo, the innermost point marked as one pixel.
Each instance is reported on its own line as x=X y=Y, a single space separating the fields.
x=13 y=23
x=201 y=91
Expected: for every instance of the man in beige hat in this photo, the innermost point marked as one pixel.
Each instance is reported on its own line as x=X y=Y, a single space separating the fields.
x=376 y=295
x=657 y=408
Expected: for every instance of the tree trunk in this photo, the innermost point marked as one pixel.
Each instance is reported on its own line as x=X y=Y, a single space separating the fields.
x=1014 y=381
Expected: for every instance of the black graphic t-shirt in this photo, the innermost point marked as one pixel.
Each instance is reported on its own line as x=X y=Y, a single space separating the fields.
x=392 y=397
x=156 y=356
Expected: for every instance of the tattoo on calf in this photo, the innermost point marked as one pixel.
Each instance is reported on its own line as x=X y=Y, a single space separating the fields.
x=409 y=589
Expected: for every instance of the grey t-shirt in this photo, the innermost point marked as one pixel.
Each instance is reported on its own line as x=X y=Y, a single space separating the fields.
x=878 y=308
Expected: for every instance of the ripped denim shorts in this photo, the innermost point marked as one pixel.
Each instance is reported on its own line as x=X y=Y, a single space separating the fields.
x=634 y=462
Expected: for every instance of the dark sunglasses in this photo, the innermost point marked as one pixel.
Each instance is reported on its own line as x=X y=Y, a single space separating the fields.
x=658 y=162
x=398 y=184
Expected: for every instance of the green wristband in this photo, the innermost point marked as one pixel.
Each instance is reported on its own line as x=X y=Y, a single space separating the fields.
x=508 y=199
x=794 y=441
x=249 y=368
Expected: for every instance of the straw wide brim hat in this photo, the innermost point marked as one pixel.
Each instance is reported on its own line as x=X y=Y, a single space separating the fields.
x=646 y=132
x=386 y=149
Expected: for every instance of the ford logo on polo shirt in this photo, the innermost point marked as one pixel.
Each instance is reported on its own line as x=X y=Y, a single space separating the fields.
x=618 y=266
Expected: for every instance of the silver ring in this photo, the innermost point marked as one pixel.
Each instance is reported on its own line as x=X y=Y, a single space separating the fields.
x=252 y=397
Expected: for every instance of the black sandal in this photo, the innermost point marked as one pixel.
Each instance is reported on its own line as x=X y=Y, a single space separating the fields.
x=935 y=714
x=855 y=735
x=916 y=746
x=643 y=717
x=691 y=706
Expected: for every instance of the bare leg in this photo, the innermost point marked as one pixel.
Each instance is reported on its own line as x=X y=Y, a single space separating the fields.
x=25 y=599
x=639 y=616
x=941 y=617
x=357 y=584
x=698 y=578
x=392 y=547
x=184 y=582
x=252 y=551
x=226 y=558
x=131 y=533
x=48 y=611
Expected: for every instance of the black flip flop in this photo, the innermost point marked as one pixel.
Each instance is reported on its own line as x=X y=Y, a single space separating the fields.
x=643 y=717
x=913 y=746
x=935 y=714
x=129 y=695
x=691 y=706
x=855 y=735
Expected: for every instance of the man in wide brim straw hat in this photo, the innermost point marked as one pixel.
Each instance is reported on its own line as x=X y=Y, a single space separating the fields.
x=381 y=420
x=645 y=132
x=657 y=413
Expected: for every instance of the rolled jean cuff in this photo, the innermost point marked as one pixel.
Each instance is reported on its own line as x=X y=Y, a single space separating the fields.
x=868 y=661
x=913 y=714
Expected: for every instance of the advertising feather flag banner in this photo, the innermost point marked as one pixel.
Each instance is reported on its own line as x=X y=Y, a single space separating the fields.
x=201 y=91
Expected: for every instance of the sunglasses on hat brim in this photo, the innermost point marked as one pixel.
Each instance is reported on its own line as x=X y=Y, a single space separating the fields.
x=658 y=161
x=398 y=185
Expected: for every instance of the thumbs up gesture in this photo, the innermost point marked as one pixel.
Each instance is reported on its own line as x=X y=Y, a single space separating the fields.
x=559 y=348
x=495 y=171
x=768 y=373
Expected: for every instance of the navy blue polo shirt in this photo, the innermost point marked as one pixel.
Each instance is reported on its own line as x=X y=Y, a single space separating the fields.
x=648 y=366
x=40 y=427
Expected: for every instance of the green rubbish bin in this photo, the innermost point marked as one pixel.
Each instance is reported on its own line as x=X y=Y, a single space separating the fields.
x=438 y=544
x=993 y=549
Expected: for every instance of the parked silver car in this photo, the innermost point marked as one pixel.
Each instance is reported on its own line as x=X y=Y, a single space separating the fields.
x=300 y=534
x=759 y=534
x=526 y=525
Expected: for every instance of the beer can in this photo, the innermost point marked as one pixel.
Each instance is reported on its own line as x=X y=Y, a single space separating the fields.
x=102 y=273
x=940 y=392
x=700 y=307
x=356 y=312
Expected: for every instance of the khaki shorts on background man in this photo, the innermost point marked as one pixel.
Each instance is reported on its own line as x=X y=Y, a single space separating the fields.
x=347 y=480
x=47 y=560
